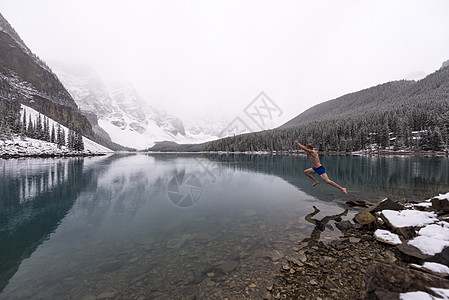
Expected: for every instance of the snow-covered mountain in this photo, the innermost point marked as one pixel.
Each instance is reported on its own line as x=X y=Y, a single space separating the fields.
x=125 y=115
x=26 y=79
x=216 y=125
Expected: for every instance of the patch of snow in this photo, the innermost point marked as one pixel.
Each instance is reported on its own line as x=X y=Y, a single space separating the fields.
x=441 y=292
x=419 y=295
x=423 y=204
x=443 y=196
x=436 y=267
x=406 y=218
x=432 y=239
x=94 y=147
x=28 y=146
x=388 y=236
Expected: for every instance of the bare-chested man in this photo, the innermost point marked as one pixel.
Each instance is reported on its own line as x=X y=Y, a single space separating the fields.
x=317 y=168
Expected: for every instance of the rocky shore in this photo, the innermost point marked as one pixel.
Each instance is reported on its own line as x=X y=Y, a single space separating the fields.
x=391 y=250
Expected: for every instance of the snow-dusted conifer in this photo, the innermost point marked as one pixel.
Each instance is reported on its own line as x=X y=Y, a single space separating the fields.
x=52 y=134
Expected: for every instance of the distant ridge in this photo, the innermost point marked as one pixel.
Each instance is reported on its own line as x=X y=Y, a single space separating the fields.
x=445 y=64
x=397 y=115
x=374 y=98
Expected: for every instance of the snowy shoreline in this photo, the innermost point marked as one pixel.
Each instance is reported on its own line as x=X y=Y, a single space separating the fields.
x=355 y=153
x=50 y=155
x=22 y=145
x=17 y=146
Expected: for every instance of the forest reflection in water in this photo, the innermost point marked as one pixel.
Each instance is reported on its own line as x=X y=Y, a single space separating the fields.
x=369 y=178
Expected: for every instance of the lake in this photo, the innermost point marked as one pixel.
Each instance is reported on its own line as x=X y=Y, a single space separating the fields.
x=167 y=226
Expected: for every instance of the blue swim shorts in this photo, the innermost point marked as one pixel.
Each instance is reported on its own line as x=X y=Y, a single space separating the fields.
x=320 y=170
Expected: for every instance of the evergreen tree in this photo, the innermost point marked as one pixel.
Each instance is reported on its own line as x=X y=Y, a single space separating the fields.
x=436 y=141
x=30 y=130
x=53 y=135
x=71 y=138
x=39 y=129
x=24 y=121
x=79 y=143
x=23 y=130
x=60 y=139
x=46 y=130
x=63 y=142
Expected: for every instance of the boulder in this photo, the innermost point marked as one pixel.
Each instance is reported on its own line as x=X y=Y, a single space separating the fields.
x=356 y=203
x=412 y=254
x=442 y=257
x=387 y=237
x=381 y=294
x=440 y=204
x=364 y=217
x=407 y=232
x=387 y=204
x=351 y=203
x=394 y=279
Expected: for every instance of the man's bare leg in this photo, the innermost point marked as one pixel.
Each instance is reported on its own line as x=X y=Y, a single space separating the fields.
x=309 y=173
x=328 y=181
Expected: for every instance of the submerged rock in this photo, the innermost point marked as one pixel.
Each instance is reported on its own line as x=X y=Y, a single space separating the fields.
x=110 y=266
x=107 y=294
x=178 y=242
x=343 y=226
x=228 y=266
x=276 y=255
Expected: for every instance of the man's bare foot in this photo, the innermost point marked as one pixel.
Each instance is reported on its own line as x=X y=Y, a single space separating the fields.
x=344 y=191
x=315 y=183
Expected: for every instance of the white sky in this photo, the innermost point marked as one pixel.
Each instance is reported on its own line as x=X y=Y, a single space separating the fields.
x=216 y=56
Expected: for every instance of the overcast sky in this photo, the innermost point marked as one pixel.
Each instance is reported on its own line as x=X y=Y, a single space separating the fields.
x=216 y=56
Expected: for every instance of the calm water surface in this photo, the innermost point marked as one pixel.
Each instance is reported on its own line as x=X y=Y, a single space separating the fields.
x=150 y=226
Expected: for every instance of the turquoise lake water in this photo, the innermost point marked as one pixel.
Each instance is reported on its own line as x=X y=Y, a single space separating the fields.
x=138 y=226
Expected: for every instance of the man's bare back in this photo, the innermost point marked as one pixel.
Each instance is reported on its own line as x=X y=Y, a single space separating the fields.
x=318 y=168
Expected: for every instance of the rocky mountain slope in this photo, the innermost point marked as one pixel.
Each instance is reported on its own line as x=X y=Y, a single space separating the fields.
x=26 y=79
x=124 y=114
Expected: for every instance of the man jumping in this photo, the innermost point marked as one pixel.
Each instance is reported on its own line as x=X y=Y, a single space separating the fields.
x=317 y=168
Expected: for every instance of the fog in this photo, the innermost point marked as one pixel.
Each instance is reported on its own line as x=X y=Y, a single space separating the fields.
x=190 y=57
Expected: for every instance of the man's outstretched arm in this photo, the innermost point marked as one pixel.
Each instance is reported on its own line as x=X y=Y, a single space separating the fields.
x=303 y=147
